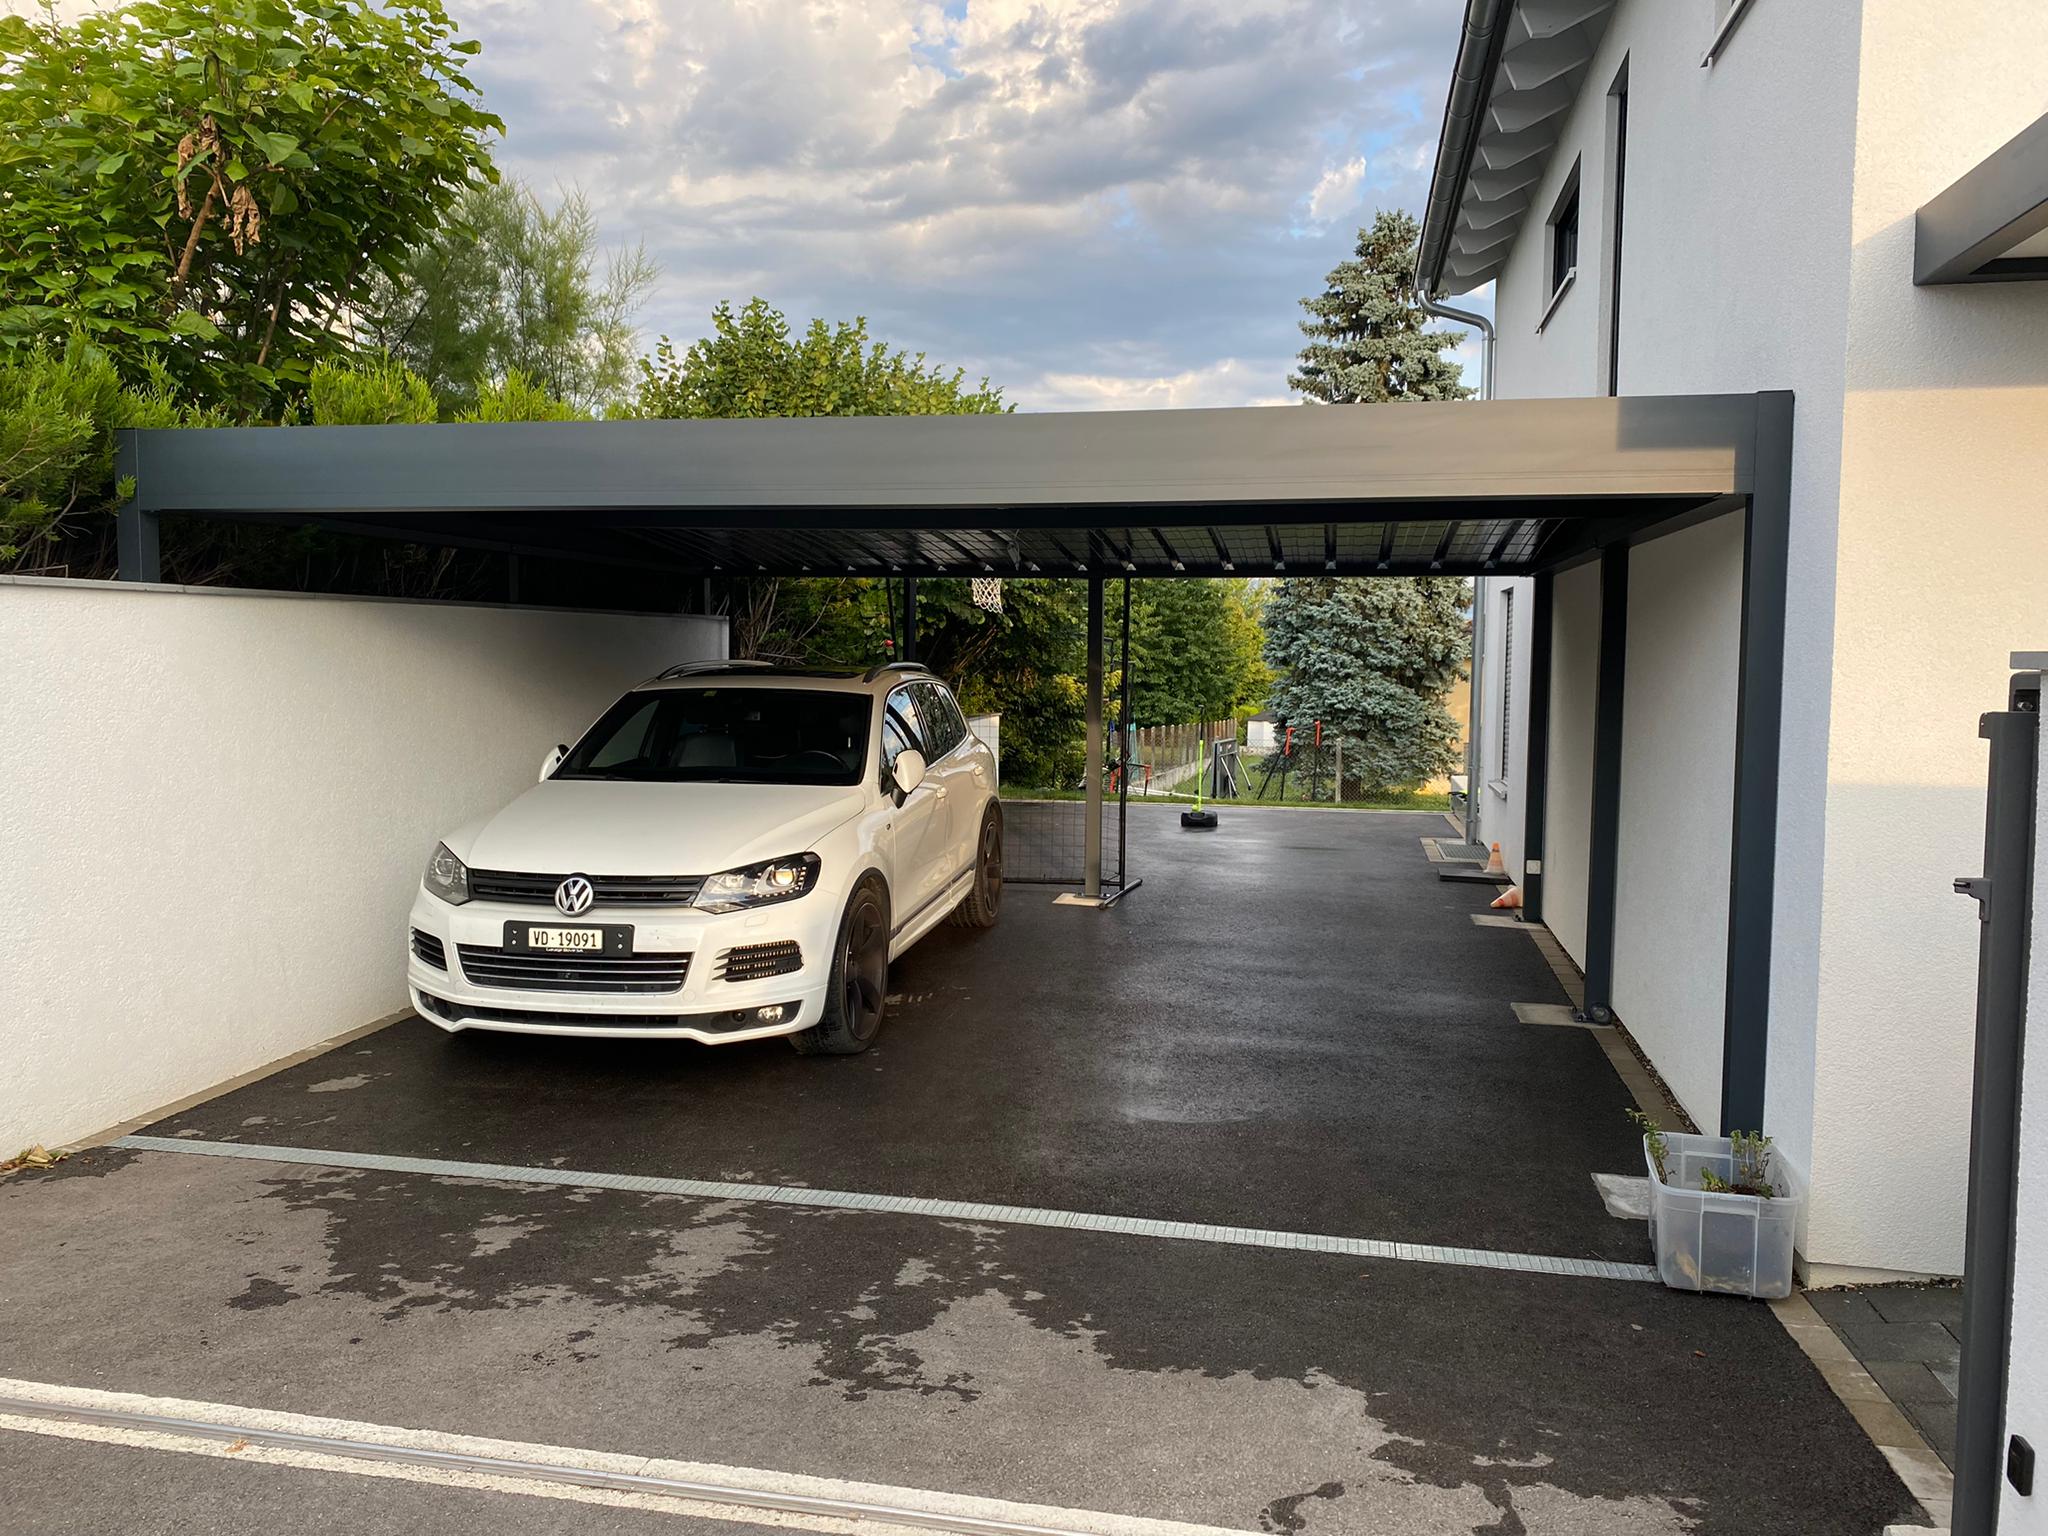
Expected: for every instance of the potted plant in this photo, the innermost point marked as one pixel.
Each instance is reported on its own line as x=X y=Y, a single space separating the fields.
x=1724 y=1212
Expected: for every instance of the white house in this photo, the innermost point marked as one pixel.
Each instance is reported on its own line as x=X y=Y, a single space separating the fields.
x=1699 y=196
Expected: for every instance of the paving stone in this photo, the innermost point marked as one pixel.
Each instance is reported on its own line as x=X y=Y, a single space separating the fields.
x=1938 y=1426
x=1928 y=1343
x=1909 y=1382
x=1843 y=1308
x=1918 y=1304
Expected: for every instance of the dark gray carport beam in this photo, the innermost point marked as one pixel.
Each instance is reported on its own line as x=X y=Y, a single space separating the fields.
x=1968 y=233
x=928 y=472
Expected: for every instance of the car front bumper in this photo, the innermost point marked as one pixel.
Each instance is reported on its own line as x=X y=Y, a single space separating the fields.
x=707 y=1006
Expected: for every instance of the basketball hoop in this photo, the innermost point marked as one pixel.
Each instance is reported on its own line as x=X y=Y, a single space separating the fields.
x=986 y=592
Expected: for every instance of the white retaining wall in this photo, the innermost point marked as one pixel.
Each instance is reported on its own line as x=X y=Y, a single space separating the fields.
x=217 y=805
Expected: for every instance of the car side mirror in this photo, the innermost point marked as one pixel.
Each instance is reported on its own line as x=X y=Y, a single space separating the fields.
x=909 y=772
x=552 y=761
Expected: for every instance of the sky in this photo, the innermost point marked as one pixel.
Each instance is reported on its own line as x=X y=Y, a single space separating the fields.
x=1095 y=203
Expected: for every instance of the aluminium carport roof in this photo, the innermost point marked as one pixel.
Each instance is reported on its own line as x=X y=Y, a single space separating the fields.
x=1404 y=489
x=1514 y=487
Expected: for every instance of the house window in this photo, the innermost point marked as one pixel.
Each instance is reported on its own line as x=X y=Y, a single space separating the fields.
x=1507 y=682
x=1562 y=252
x=1564 y=242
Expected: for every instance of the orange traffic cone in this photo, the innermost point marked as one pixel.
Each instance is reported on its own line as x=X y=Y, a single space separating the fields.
x=1493 y=863
x=1509 y=900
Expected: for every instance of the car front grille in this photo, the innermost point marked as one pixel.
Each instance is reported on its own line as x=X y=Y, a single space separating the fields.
x=430 y=950
x=535 y=972
x=752 y=962
x=611 y=890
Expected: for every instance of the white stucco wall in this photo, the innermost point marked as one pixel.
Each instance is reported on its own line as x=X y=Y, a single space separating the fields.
x=1678 y=793
x=1574 y=692
x=219 y=805
x=1944 y=534
x=2026 y=1397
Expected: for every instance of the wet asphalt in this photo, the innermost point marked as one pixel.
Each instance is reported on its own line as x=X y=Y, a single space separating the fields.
x=1292 y=1024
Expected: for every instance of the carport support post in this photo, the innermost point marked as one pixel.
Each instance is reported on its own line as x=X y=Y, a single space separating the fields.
x=1759 y=723
x=1536 y=770
x=137 y=553
x=909 y=619
x=1603 y=854
x=1091 y=859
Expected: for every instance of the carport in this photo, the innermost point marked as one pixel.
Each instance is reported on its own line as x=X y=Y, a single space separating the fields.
x=1487 y=488
x=1254 y=1203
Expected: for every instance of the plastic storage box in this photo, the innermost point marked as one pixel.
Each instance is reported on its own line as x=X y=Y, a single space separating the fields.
x=1733 y=1245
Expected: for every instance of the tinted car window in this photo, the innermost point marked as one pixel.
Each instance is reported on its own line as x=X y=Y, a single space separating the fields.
x=731 y=735
x=941 y=721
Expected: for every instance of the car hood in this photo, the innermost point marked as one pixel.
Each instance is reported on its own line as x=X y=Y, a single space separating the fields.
x=600 y=827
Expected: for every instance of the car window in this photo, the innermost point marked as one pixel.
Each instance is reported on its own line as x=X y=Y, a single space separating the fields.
x=941 y=721
x=951 y=706
x=629 y=741
x=903 y=712
x=725 y=734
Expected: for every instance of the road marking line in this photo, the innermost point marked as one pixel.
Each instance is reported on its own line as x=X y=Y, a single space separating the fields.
x=747 y=1495
x=900 y=1205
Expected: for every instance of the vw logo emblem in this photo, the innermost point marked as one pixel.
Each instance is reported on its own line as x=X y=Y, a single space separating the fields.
x=574 y=895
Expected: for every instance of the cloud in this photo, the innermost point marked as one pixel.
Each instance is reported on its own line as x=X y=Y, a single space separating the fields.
x=1336 y=191
x=1230 y=381
x=1038 y=190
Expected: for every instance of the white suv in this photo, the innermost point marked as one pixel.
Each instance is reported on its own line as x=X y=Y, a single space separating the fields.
x=731 y=851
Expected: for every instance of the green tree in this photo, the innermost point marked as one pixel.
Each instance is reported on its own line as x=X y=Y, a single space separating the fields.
x=752 y=365
x=370 y=392
x=1195 y=652
x=1372 y=658
x=508 y=285
x=59 y=407
x=217 y=180
x=1367 y=340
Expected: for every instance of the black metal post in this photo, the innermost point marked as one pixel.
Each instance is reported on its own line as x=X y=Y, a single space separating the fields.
x=1091 y=848
x=137 y=548
x=1123 y=745
x=909 y=619
x=2005 y=894
x=1604 y=844
x=1536 y=769
x=1759 y=723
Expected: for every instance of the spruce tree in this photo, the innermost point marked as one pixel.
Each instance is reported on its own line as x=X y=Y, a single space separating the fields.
x=1366 y=336
x=1372 y=657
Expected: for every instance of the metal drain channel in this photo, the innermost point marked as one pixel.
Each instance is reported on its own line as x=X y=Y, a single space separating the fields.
x=533 y=1471
x=911 y=1205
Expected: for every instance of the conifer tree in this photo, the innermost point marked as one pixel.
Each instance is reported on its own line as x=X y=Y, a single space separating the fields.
x=1366 y=336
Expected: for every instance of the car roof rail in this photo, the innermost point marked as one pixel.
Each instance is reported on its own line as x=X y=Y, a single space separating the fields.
x=880 y=668
x=691 y=668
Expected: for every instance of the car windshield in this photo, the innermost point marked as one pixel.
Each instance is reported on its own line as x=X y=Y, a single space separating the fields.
x=726 y=735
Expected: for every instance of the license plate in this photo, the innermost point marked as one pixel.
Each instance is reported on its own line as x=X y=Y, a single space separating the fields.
x=553 y=939
x=566 y=940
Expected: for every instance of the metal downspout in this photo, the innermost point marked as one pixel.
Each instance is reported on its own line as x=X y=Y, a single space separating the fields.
x=1485 y=328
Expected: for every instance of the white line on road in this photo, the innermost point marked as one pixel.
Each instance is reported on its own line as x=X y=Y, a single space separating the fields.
x=746 y=1495
x=911 y=1205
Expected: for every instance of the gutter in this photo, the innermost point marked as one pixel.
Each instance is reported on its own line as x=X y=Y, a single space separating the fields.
x=1479 y=51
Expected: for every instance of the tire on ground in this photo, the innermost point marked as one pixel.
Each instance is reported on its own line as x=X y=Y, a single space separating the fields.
x=854 y=1006
x=983 y=902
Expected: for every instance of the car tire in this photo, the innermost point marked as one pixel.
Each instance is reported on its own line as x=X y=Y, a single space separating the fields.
x=858 y=995
x=983 y=902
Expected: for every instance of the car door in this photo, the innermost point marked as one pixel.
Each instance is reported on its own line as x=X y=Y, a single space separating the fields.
x=921 y=830
x=964 y=772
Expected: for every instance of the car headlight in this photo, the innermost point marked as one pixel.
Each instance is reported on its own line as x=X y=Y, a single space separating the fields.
x=447 y=876
x=757 y=885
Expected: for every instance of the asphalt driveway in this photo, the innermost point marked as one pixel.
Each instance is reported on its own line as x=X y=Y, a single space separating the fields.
x=1293 y=1026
